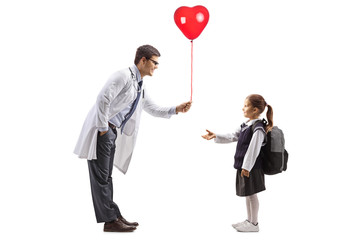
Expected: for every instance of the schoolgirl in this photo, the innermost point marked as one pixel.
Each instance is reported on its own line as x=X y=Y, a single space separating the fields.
x=250 y=137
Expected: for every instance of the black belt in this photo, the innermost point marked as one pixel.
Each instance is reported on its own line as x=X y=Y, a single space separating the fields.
x=112 y=126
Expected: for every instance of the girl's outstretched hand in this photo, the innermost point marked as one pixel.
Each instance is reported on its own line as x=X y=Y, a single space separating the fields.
x=209 y=135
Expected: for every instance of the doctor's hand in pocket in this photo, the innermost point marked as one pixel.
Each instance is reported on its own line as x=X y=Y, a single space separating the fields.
x=210 y=135
x=102 y=133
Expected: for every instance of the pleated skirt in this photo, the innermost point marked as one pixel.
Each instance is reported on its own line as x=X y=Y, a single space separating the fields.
x=247 y=186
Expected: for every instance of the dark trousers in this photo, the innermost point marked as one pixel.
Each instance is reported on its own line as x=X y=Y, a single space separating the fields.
x=100 y=178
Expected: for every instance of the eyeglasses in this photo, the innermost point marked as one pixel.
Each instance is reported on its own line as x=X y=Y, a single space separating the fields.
x=155 y=62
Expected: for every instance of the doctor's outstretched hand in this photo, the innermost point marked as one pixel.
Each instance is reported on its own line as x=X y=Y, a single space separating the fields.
x=184 y=107
x=209 y=135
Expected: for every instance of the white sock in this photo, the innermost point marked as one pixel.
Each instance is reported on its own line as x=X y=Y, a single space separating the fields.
x=252 y=206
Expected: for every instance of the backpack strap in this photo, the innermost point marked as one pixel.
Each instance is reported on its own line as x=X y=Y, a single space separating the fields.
x=256 y=122
x=254 y=125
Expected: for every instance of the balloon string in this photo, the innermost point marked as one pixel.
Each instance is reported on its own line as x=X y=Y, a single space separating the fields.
x=191 y=70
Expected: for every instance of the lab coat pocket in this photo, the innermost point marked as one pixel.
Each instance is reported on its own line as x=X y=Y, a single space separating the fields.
x=129 y=127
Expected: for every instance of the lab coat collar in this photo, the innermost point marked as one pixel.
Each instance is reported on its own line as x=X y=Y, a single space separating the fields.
x=136 y=72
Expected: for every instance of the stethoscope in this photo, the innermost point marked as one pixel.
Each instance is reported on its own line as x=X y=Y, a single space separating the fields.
x=137 y=83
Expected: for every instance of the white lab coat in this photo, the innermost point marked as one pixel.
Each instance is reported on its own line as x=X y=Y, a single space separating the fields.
x=118 y=93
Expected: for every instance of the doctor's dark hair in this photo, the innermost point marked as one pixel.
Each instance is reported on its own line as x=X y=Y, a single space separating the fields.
x=146 y=51
x=257 y=101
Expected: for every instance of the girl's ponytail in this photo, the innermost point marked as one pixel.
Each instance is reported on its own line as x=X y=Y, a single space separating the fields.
x=259 y=102
x=269 y=116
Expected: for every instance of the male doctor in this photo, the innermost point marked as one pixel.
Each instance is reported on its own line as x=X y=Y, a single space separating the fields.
x=114 y=120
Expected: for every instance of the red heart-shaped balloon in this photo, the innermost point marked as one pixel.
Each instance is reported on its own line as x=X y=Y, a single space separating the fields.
x=191 y=21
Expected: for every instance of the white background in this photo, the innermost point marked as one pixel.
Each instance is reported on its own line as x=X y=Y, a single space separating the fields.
x=302 y=56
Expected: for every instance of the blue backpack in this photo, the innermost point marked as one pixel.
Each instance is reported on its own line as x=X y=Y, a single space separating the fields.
x=275 y=156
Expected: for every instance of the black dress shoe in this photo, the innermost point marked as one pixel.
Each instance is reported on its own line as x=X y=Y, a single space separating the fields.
x=118 y=226
x=134 y=224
